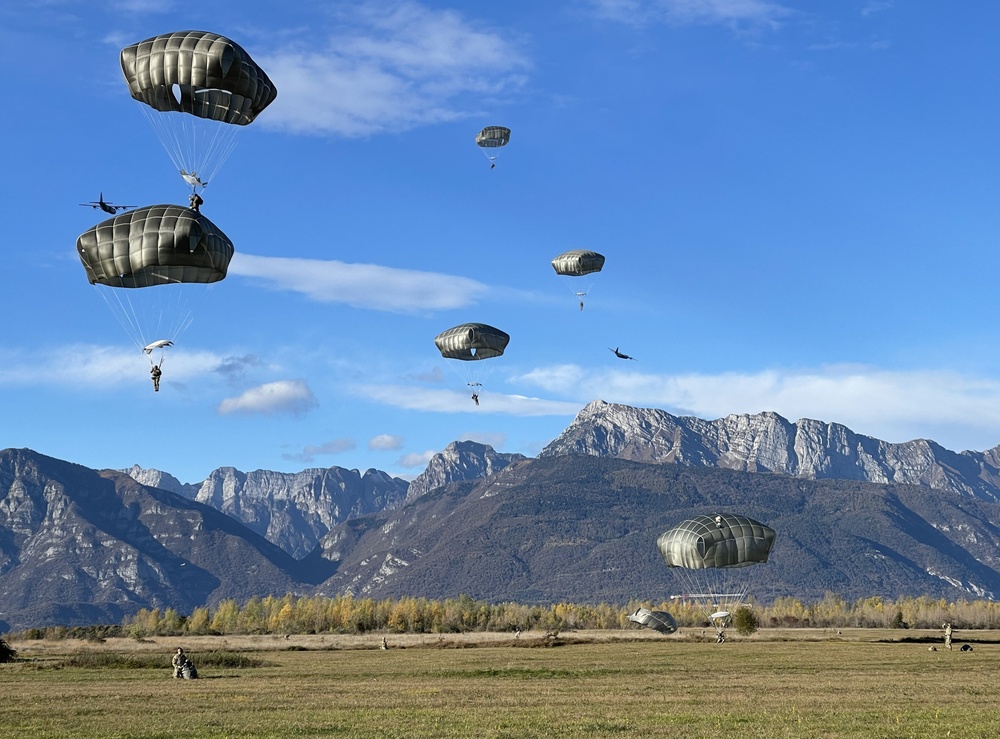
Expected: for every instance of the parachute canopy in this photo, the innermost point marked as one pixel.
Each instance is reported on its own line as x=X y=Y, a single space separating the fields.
x=471 y=341
x=197 y=72
x=493 y=137
x=723 y=540
x=155 y=245
x=158 y=344
x=657 y=620
x=578 y=262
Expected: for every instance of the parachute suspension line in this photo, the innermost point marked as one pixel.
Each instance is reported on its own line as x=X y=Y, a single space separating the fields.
x=472 y=374
x=212 y=143
x=714 y=589
x=154 y=313
x=124 y=312
x=580 y=292
x=194 y=145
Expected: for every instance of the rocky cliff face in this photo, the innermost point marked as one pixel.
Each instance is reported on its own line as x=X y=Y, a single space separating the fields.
x=766 y=442
x=292 y=510
x=162 y=480
x=78 y=546
x=460 y=460
x=584 y=528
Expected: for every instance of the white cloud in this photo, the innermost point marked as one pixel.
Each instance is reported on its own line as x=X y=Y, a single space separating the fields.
x=385 y=443
x=416 y=459
x=955 y=410
x=875 y=6
x=361 y=285
x=495 y=439
x=284 y=396
x=449 y=401
x=734 y=13
x=395 y=65
x=310 y=452
x=98 y=366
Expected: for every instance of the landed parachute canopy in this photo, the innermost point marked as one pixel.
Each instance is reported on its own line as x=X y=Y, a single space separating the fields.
x=155 y=245
x=493 y=137
x=723 y=540
x=196 y=72
x=578 y=262
x=658 y=620
x=471 y=341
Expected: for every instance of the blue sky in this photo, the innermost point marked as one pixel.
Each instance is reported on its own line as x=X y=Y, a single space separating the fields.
x=798 y=202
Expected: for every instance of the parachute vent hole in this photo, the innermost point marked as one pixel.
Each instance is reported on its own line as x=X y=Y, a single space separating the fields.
x=175 y=91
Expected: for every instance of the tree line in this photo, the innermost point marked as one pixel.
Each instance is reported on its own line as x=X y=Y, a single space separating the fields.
x=293 y=614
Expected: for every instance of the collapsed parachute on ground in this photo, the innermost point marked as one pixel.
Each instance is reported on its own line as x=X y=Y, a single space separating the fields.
x=578 y=263
x=152 y=266
x=197 y=72
x=657 y=620
x=197 y=89
x=469 y=343
x=714 y=557
x=491 y=139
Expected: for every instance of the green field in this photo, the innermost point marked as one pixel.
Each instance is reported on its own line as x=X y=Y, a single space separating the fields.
x=794 y=683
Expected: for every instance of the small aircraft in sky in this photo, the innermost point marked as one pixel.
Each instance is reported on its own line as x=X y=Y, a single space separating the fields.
x=620 y=355
x=106 y=206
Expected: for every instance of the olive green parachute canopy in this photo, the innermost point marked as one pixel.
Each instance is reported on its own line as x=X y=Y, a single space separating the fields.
x=155 y=245
x=196 y=72
x=657 y=620
x=721 y=540
x=471 y=341
x=493 y=137
x=578 y=262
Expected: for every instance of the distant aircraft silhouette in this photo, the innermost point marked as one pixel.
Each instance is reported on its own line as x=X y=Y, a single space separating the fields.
x=620 y=355
x=107 y=207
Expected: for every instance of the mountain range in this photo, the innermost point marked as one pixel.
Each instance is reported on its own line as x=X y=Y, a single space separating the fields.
x=855 y=516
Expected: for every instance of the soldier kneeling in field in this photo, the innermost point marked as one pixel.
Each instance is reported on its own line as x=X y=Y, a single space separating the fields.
x=178 y=662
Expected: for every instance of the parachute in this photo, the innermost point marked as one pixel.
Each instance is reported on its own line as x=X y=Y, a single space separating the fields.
x=657 y=620
x=490 y=139
x=469 y=343
x=577 y=263
x=197 y=89
x=712 y=555
x=151 y=265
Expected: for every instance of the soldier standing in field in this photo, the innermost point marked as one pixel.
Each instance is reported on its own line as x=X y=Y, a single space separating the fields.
x=947 y=634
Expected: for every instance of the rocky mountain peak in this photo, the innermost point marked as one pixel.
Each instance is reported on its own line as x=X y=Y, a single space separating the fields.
x=157 y=479
x=767 y=442
x=460 y=460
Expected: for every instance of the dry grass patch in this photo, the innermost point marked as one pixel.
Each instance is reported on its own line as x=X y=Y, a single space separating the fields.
x=600 y=685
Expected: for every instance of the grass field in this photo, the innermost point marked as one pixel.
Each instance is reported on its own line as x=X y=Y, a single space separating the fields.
x=778 y=683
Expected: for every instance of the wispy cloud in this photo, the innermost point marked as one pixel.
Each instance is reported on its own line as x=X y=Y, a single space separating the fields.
x=310 y=452
x=235 y=369
x=415 y=459
x=495 y=439
x=93 y=365
x=448 y=401
x=292 y=397
x=876 y=6
x=733 y=13
x=143 y=6
x=956 y=410
x=391 y=65
x=361 y=285
x=385 y=443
